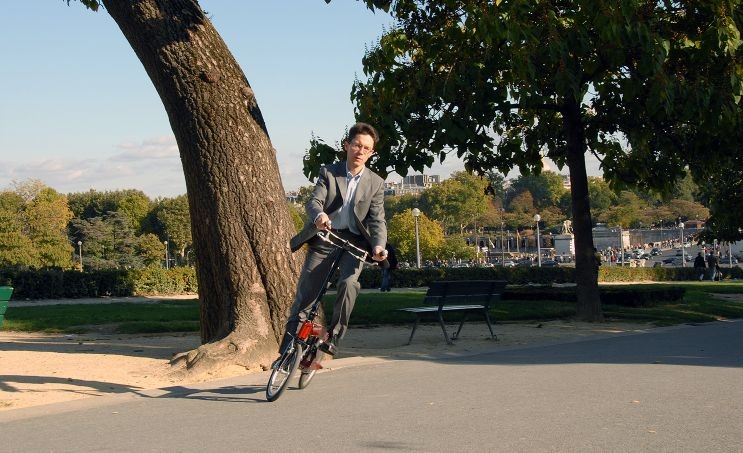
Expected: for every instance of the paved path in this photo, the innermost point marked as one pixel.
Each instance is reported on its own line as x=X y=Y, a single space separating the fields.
x=667 y=390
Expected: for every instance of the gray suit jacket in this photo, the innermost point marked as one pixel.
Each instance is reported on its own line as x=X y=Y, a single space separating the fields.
x=328 y=197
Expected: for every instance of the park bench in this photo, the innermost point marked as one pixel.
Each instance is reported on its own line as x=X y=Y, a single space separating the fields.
x=447 y=296
x=5 y=293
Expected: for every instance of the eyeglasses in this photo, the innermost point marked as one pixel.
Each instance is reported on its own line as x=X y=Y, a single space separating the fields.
x=356 y=146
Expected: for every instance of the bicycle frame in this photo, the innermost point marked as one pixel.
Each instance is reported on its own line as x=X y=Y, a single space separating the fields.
x=303 y=350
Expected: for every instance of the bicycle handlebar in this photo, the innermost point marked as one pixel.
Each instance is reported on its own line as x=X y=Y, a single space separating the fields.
x=358 y=253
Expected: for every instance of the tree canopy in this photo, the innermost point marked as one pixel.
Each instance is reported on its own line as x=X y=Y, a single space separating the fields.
x=644 y=86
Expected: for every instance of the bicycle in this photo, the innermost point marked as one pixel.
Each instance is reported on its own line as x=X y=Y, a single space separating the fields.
x=303 y=352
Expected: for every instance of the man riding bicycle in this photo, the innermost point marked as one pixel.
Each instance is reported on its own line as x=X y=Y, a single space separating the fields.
x=350 y=197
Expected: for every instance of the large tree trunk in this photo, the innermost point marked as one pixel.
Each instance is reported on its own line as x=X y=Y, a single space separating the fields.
x=241 y=226
x=586 y=272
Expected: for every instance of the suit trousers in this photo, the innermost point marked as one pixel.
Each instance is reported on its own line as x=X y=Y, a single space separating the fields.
x=314 y=272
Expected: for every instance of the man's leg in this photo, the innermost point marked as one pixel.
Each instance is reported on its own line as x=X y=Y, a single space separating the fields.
x=314 y=271
x=348 y=288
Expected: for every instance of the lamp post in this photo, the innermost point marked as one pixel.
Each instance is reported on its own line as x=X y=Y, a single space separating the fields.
x=80 y=253
x=681 y=236
x=502 y=247
x=621 y=246
x=416 y=214
x=167 y=258
x=537 y=218
x=661 y=233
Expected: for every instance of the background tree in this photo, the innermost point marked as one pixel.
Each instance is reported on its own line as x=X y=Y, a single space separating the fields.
x=400 y=203
x=546 y=188
x=16 y=248
x=241 y=230
x=458 y=202
x=47 y=215
x=35 y=226
x=108 y=241
x=401 y=232
x=503 y=83
x=150 y=249
x=173 y=223
x=723 y=189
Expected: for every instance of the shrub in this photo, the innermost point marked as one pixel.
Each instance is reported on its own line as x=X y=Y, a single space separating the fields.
x=58 y=283
x=628 y=296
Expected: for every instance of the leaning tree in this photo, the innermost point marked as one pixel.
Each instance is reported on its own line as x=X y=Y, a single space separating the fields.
x=502 y=83
x=240 y=224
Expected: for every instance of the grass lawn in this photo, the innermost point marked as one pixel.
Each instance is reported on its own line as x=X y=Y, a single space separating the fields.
x=371 y=309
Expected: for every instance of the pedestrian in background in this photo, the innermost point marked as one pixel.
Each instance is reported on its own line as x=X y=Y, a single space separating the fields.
x=387 y=272
x=699 y=266
x=712 y=266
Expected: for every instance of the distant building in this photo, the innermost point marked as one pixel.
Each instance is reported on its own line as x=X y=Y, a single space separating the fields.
x=412 y=184
x=291 y=197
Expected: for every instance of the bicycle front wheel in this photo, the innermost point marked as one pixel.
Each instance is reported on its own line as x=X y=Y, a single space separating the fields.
x=280 y=376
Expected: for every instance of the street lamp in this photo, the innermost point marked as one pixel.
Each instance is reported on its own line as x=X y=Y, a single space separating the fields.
x=537 y=218
x=167 y=258
x=681 y=236
x=416 y=214
x=80 y=253
x=502 y=247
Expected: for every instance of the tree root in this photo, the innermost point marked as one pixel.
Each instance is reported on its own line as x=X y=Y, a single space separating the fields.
x=235 y=350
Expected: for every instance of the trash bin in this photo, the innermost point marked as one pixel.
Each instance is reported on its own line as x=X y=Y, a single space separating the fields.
x=5 y=292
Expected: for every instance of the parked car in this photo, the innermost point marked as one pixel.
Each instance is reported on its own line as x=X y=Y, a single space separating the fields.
x=656 y=251
x=550 y=263
x=509 y=263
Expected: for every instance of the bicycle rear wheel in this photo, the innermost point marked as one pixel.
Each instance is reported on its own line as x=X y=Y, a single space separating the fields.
x=307 y=375
x=305 y=378
x=280 y=376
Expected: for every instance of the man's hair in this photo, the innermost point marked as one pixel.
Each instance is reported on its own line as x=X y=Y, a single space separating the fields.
x=363 y=129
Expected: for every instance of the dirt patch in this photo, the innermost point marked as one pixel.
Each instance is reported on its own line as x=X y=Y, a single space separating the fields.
x=41 y=369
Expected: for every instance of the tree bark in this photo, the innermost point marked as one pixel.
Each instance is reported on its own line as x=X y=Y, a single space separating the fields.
x=241 y=227
x=586 y=272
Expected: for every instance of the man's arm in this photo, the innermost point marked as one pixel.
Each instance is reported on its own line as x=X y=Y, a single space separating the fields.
x=316 y=203
x=375 y=223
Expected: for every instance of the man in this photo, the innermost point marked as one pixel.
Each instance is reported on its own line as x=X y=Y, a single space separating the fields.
x=712 y=265
x=699 y=266
x=350 y=197
x=387 y=271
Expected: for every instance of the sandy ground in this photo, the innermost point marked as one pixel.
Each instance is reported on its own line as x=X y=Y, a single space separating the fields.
x=40 y=369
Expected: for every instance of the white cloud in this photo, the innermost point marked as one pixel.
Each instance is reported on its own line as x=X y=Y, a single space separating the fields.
x=152 y=166
x=164 y=147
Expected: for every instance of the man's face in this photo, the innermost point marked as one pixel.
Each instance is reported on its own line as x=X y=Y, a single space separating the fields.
x=359 y=150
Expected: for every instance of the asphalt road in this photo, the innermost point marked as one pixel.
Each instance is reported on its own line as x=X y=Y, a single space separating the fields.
x=665 y=390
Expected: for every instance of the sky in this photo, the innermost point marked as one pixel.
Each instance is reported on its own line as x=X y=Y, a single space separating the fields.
x=78 y=112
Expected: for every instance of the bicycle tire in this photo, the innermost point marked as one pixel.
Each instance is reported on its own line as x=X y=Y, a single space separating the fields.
x=279 y=379
x=305 y=378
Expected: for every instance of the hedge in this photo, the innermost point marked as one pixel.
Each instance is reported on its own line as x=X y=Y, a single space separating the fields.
x=628 y=296
x=413 y=278
x=58 y=283
x=68 y=284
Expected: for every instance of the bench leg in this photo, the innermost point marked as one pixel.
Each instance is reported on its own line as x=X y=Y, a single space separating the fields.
x=456 y=335
x=490 y=325
x=415 y=326
x=443 y=329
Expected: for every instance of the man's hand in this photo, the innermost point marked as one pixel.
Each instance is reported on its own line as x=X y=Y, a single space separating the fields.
x=322 y=222
x=380 y=254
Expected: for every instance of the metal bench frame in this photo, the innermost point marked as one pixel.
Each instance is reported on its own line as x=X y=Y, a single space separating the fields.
x=441 y=292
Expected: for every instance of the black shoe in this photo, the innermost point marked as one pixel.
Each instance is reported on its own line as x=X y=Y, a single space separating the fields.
x=328 y=347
